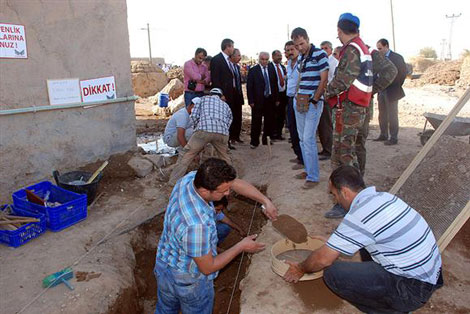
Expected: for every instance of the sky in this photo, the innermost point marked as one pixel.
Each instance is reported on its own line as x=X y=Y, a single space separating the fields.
x=178 y=27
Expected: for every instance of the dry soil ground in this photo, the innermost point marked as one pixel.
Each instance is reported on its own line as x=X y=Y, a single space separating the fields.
x=126 y=213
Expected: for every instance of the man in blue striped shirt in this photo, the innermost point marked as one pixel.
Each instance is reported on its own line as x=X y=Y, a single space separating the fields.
x=401 y=263
x=187 y=260
x=313 y=79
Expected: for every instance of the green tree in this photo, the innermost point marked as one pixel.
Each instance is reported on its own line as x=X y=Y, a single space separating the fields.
x=428 y=52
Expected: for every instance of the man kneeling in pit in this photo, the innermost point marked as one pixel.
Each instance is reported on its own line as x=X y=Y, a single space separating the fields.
x=187 y=261
x=401 y=263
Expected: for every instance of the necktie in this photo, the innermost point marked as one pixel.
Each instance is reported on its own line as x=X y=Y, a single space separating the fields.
x=233 y=71
x=279 y=73
x=266 y=82
x=237 y=77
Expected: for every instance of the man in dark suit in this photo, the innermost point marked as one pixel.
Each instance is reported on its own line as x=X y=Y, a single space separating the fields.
x=280 y=110
x=263 y=96
x=238 y=101
x=388 y=98
x=222 y=73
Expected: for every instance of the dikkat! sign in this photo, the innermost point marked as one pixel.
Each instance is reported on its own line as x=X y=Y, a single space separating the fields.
x=12 y=41
x=98 y=89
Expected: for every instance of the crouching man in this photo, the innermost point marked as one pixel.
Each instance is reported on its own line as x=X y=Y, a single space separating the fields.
x=401 y=263
x=187 y=261
x=179 y=128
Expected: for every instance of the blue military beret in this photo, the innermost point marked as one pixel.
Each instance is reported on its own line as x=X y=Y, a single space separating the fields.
x=350 y=17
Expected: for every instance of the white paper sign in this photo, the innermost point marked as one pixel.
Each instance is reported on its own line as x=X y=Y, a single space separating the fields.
x=62 y=92
x=98 y=89
x=12 y=41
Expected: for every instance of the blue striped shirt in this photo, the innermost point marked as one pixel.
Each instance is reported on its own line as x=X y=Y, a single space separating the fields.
x=189 y=229
x=311 y=67
x=396 y=236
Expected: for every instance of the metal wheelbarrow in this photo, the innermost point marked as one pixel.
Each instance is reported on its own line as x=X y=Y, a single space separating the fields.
x=458 y=127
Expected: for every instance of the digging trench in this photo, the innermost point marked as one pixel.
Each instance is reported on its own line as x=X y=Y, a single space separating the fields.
x=142 y=297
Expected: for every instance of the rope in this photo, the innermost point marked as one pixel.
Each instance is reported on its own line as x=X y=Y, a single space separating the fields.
x=249 y=229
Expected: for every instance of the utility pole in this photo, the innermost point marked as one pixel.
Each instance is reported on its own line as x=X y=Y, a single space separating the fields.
x=393 y=25
x=452 y=20
x=288 y=33
x=150 y=46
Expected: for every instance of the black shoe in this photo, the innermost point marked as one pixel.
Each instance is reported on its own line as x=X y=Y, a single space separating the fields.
x=239 y=141
x=324 y=153
x=391 y=142
x=324 y=157
x=230 y=146
x=253 y=146
x=381 y=138
x=289 y=140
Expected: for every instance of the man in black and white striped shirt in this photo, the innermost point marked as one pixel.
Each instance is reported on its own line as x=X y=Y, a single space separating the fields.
x=401 y=263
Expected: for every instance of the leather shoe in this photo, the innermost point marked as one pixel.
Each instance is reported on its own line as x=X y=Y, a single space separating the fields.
x=239 y=141
x=253 y=146
x=298 y=167
x=295 y=160
x=324 y=157
x=391 y=142
x=336 y=212
x=230 y=146
x=381 y=138
x=301 y=176
x=309 y=185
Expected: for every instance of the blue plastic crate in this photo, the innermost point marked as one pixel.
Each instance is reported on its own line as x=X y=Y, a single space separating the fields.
x=72 y=210
x=25 y=233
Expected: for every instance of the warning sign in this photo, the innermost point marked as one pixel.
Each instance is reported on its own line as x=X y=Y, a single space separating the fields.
x=12 y=41
x=98 y=89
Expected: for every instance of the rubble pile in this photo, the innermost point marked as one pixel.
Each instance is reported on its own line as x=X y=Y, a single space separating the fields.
x=147 y=79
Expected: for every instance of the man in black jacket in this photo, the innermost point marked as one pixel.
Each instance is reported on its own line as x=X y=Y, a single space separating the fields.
x=223 y=74
x=263 y=94
x=388 y=98
x=280 y=110
x=238 y=101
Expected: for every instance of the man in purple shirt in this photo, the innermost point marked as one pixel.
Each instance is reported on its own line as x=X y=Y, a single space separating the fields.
x=196 y=76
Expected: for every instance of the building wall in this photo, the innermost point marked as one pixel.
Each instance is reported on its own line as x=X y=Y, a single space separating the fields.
x=65 y=39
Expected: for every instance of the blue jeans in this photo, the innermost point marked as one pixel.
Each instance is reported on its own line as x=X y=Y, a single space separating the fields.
x=307 y=123
x=222 y=231
x=189 y=95
x=179 y=291
x=372 y=289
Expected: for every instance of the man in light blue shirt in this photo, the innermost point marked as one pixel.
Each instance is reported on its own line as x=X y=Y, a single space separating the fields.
x=179 y=128
x=292 y=54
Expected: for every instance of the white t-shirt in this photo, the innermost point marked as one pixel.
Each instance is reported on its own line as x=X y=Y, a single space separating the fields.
x=332 y=63
x=179 y=119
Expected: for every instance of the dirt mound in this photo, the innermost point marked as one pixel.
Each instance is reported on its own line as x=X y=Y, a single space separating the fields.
x=174 y=89
x=442 y=73
x=176 y=72
x=421 y=64
x=147 y=79
x=464 y=80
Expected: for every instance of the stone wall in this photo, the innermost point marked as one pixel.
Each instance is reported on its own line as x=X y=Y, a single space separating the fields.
x=65 y=39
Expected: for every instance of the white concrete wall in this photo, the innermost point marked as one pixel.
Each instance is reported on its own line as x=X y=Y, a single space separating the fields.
x=65 y=39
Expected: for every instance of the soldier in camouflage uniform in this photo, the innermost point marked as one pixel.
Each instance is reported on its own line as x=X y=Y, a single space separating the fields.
x=350 y=92
x=353 y=115
x=384 y=73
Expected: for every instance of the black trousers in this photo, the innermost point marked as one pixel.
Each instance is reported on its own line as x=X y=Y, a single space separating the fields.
x=236 y=126
x=325 y=129
x=292 y=125
x=258 y=112
x=388 y=116
x=280 y=115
